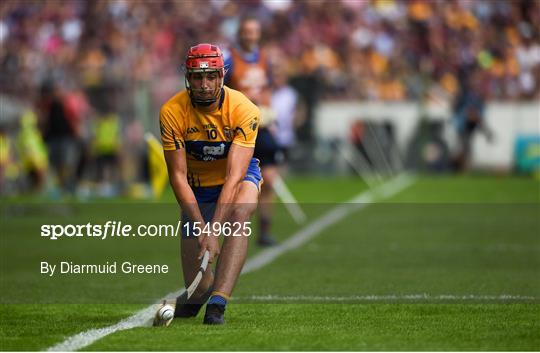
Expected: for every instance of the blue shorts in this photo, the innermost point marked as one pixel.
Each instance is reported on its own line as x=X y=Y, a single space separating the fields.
x=207 y=197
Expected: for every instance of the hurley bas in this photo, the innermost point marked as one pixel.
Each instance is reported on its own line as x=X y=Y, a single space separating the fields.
x=65 y=267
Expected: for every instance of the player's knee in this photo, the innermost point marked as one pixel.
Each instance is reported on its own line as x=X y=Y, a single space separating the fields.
x=241 y=213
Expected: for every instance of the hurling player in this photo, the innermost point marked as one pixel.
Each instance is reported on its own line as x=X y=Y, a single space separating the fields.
x=208 y=133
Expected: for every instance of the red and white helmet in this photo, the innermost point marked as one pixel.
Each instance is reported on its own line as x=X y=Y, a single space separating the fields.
x=204 y=58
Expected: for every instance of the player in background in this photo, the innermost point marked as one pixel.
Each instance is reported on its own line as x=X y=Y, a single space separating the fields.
x=248 y=71
x=208 y=133
x=289 y=112
x=60 y=134
x=469 y=116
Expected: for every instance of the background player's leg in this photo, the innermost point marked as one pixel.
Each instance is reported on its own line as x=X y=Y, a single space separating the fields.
x=266 y=205
x=266 y=150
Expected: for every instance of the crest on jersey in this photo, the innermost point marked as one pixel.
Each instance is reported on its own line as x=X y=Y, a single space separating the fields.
x=253 y=124
x=228 y=132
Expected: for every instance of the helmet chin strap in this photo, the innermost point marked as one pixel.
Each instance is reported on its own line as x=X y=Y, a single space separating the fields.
x=203 y=102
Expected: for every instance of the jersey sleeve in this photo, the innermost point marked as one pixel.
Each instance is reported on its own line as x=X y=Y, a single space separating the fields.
x=171 y=134
x=248 y=118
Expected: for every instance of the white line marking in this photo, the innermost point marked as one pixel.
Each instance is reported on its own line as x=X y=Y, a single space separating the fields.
x=140 y=318
x=144 y=317
x=382 y=298
x=334 y=215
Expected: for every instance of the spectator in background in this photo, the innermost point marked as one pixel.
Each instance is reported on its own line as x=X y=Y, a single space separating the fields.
x=248 y=71
x=528 y=59
x=78 y=111
x=105 y=148
x=417 y=42
x=385 y=50
x=32 y=151
x=60 y=136
x=9 y=169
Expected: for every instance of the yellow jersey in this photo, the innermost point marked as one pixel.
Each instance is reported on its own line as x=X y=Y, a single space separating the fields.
x=207 y=136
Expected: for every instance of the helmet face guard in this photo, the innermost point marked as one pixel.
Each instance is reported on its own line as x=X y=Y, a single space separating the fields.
x=204 y=58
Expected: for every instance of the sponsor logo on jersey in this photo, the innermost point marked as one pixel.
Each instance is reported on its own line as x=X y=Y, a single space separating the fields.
x=214 y=150
x=208 y=150
x=192 y=130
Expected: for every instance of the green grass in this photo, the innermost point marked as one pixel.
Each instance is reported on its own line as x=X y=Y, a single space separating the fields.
x=349 y=327
x=33 y=327
x=472 y=189
x=468 y=235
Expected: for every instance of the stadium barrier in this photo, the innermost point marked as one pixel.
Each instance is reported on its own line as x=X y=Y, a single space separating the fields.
x=508 y=121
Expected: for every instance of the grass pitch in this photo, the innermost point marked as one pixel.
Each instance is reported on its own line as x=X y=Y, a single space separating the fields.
x=451 y=263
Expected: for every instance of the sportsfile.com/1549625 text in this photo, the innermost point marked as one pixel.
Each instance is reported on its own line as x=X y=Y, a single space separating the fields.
x=115 y=229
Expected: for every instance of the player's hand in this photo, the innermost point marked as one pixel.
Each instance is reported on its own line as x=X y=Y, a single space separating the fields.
x=208 y=242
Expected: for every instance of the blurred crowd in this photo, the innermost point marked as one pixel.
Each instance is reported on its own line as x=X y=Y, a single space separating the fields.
x=364 y=49
x=110 y=64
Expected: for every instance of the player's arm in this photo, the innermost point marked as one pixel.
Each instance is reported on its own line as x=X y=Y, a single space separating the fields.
x=237 y=165
x=177 y=168
x=172 y=140
x=247 y=116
